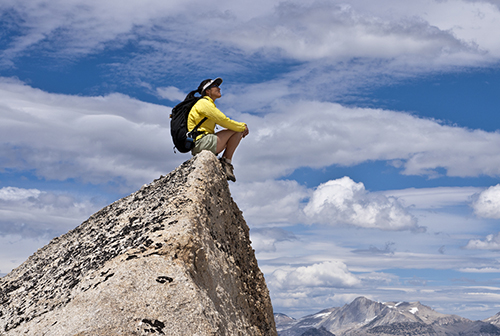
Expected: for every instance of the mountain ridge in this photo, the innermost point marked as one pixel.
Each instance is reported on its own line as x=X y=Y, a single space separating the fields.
x=364 y=317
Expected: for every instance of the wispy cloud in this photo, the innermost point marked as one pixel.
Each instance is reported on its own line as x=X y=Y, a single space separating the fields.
x=321 y=39
x=52 y=26
x=439 y=197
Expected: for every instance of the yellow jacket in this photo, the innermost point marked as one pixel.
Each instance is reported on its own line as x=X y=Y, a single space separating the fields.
x=206 y=108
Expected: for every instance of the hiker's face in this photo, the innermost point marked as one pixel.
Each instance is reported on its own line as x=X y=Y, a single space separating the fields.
x=213 y=92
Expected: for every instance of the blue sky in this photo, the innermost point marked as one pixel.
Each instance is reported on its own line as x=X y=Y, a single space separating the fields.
x=372 y=164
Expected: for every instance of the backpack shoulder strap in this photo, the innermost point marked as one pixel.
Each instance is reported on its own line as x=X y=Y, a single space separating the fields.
x=195 y=129
x=199 y=124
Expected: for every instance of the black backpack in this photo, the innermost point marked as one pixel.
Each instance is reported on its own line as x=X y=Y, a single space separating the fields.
x=184 y=140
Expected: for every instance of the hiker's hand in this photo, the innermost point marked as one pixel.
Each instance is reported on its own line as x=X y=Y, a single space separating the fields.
x=246 y=131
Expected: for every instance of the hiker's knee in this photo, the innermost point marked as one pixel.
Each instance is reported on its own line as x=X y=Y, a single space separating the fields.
x=228 y=139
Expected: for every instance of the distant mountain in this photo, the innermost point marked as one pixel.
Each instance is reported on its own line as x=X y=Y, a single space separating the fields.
x=495 y=320
x=284 y=320
x=364 y=317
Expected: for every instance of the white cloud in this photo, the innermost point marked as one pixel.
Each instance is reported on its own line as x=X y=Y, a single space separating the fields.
x=390 y=35
x=17 y=194
x=468 y=21
x=54 y=24
x=265 y=240
x=336 y=31
x=344 y=201
x=101 y=139
x=480 y=270
x=415 y=254
x=341 y=201
x=432 y=198
x=486 y=204
x=34 y=213
x=491 y=242
x=75 y=28
x=339 y=47
x=171 y=93
x=326 y=274
x=94 y=139
x=314 y=134
x=325 y=28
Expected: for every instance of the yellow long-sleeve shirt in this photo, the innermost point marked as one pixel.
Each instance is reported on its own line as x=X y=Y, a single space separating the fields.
x=206 y=108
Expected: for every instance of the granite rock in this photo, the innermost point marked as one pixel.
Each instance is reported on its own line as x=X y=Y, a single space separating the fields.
x=173 y=258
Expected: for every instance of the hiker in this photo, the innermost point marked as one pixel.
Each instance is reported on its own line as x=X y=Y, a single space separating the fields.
x=226 y=140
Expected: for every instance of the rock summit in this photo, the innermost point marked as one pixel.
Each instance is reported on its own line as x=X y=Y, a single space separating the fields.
x=173 y=258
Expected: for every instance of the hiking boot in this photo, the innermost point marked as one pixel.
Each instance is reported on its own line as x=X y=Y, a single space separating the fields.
x=228 y=169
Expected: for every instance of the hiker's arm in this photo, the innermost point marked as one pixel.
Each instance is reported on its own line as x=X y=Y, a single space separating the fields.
x=214 y=114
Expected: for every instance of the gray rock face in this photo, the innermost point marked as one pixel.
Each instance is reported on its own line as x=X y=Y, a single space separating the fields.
x=174 y=258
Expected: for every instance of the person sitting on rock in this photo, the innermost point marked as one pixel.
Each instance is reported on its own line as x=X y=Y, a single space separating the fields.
x=226 y=140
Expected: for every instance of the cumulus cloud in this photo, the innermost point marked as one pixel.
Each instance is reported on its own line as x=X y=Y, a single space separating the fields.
x=341 y=201
x=32 y=213
x=326 y=274
x=486 y=204
x=344 y=201
x=491 y=242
